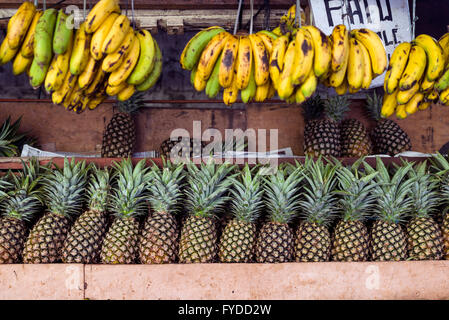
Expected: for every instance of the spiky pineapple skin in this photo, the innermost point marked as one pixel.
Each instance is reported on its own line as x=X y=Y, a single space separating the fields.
x=445 y=234
x=120 y=243
x=119 y=137
x=194 y=145
x=425 y=241
x=46 y=239
x=83 y=242
x=159 y=239
x=313 y=243
x=237 y=242
x=12 y=239
x=355 y=141
x=275 y=243
x=388 y=138
x=198 y=242
x=322 y=138
x=388 y=242
x=350 y=241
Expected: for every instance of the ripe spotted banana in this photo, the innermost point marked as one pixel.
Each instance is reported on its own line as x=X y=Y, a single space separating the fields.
x=65 y=90
x=426 y=85
x=267 y=41
x=63 y=34
x=6 y=53
x=210 y=55
x=97 y=83
x=400 y=111
x=81 y=51
x=147 y=58
x=99 y=13
x=20 y=23
x=96 y=101
x=58 y=69
x=227 y=61
x=405 y=95
x=116 y=34
x=435 y=58
x=389 y=104
x=375 y=48
x=21 y=64
x=444 y=44
x=308 y=87
x=27 y=49
x=100 y=35
x=367 y=71
x=231 y=93
x=192 y=51
x=122 y=73
x=277 y=59
x=112 y=61
x=285 y=86
x=153 y=77
x=343 y=88
x=126 y=93
x=304 y=56
x=322 y=50
x=87 y=76
x=261 y=60
x=337 y=78
x=43 y=37
x=213 y=83
x=356 y=65
x=340 y=47
x=396 y=67
x=198 y=82
x=412 y=105
x=262 y=92
x=113 y=91
x=244 y=62
x=415 y=68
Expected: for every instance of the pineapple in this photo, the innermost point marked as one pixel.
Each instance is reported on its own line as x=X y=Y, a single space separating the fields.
x=355 y=141
x=159 y=240
x=21 y=204
x=351 y=241
x=423 y=233
x=238 y=238
x=119 y=138
x=322 y=137
x=64 y=197
x=194 y=146
x=84 y=239
x=388 y=238
x=11 y=141
x=313 y=239
x=275 y=242
x=128 y=201
x=387 y=136
x=206 y=197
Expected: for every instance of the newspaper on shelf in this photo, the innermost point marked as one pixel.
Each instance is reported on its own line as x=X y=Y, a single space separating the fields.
x=29 y=151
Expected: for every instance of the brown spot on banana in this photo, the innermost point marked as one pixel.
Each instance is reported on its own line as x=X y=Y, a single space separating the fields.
x=228 y=58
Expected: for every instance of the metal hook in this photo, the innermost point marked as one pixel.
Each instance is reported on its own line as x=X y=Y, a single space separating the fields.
x=36 y=2
x=251 y=4
x=298 y=14
x=132 y=14
x=239 y=10
x=84 y=9
x=45 y=5
x=414 y=19
x=127 y=5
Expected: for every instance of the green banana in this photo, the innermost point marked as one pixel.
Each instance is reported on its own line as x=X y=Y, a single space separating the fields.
x=155 y=73
x=146 y=58
x=249 y=92
x=62 y=36
x=269 y=33
x=192 y=51
x=43 y=37
x=192 y=75
x=443 y=81
x=38 y=72
x=213 y=83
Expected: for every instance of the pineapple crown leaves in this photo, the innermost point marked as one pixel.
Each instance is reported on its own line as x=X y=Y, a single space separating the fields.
x=25 y=199
x=391 y=192
x=336 y=107
x=423 y=191
x=356 y=188
x=99 y=188
x=374 y=105
x=281 y=193
x=247 y=194
x=133 y=104
x=165 y=187
x=207 y=185
x=128 y=198
x=440 y=168
x=64 y=190
x=9 y=137
x=313 y=108
x=319 y=198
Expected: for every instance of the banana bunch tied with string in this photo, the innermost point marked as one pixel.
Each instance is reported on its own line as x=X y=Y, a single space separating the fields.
x=236 y=63
x=416 y=76
x=80 y=68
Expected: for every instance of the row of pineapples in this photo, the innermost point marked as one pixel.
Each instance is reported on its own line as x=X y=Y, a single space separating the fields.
x=355 y=213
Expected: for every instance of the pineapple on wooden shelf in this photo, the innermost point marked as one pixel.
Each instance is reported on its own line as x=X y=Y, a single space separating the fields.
x=424 y=236
x=275 y=242
x=313 y=238
x=355 y=140
x=393 y=205
x=18 y=207
x=322 y=136
x=387 y=136
x=350 y=241
x=239 y=236
x=193 y=145
x=119 y=138
x=11 y=141
x=128 y=201
x=207 y=187
x=64 y=195
x=83 y=242
x=159 y=239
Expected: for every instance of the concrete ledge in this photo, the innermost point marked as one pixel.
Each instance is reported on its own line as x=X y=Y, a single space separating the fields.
x=368 y=280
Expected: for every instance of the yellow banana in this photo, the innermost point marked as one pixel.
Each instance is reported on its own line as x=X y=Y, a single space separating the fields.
x=97 y=83
x=423 y=105
x=27 y=49
x=112 y=61
x=426 y=85
x=444 y=44
x=277 y=31
x=367 y=69
x=432 y=95
x=244 y=62
x=96 y=44
x=277 y=59
x=198 y=82
x=444 y=97
x=415 y=68
x=113 y=91
x=343 y=88
x=227 y=62
x=262 y=92
x=322 y=50
x=75 y=97
x=21 y=64
x=18 y=28
x=89 y=72
x=285 y=86
x=303 y=57
x=337 y=78
x=261 y=60
x=435 y=58
x=58 y=69
x=210 y=55
x=298 y=97
x=412 y=105
x=308 y=87
x=271 y=91
x=389 y=104
x=147 y=58
x=396 y=67
x=126 y=93
x=6 y=53
x=231 y=93
x=267 y=41
x=65 y=90
x=95 y=102
x=404 y=96
x=122 y=73
x=340 y=47
x=375 y=48
x=400 y=111
x=116 y=34
x=356 y=65
x=80 y=51
x=99 y=13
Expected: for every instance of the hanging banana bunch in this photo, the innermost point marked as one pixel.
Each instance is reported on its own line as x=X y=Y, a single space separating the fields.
x=106 y=56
